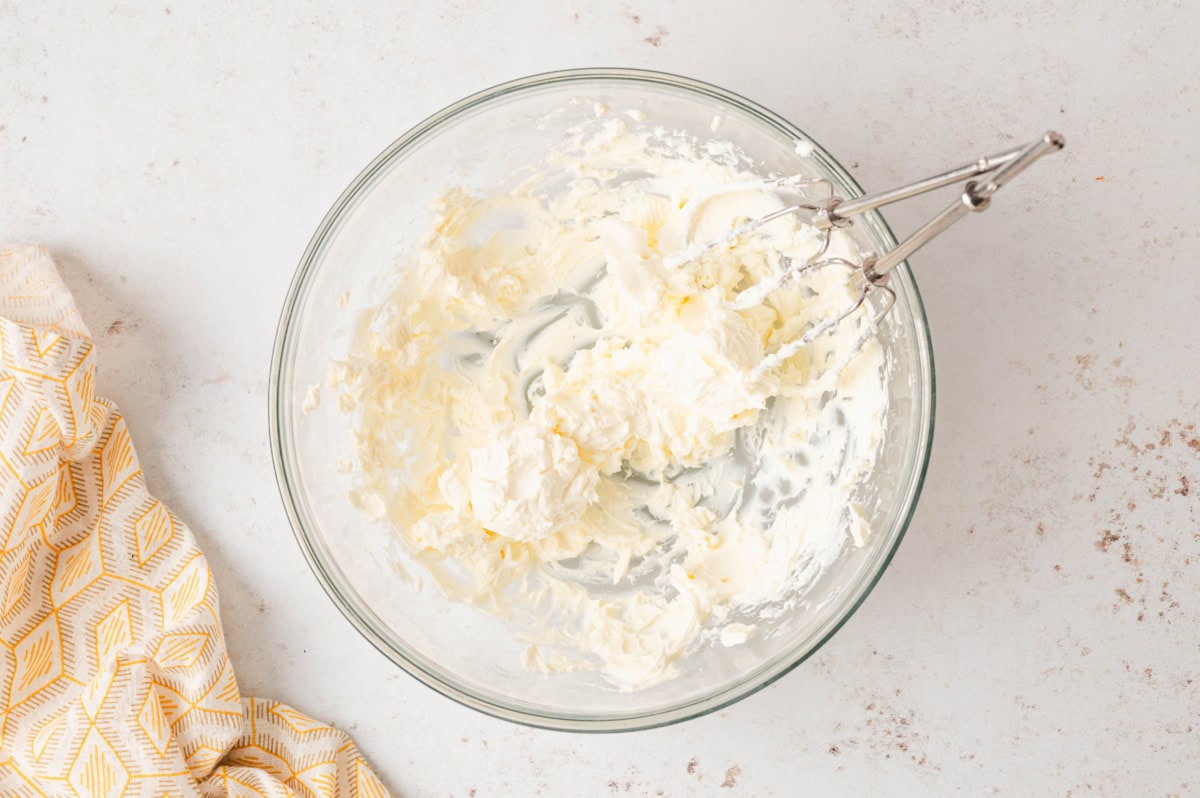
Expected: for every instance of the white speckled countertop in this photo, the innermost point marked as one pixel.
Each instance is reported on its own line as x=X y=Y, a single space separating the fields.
x=1037 y=632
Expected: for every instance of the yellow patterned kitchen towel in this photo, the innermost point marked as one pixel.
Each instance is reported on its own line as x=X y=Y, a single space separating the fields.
x=113 y=669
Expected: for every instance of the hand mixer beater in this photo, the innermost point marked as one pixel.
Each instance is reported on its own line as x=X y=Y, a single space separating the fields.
x=985 y=177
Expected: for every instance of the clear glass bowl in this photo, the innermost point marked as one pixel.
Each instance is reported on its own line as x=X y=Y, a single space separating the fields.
x=460 y=652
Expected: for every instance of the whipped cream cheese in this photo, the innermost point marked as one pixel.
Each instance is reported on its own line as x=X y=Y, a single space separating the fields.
x=525 y=483
x=567 y=424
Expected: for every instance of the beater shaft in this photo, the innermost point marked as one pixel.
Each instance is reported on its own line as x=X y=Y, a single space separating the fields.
x=976 y=196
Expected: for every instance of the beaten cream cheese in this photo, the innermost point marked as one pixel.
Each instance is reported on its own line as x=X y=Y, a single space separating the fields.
x=565 y=422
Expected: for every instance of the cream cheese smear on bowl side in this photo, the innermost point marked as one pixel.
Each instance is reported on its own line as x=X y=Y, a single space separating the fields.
x=567 y=426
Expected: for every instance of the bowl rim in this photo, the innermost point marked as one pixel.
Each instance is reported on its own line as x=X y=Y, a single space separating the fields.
x=430 y=676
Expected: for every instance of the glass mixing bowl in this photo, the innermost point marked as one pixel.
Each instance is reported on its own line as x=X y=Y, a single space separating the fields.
x=460 y=652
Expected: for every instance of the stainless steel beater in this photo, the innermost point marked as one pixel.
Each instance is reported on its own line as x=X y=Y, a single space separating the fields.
x=985 y=177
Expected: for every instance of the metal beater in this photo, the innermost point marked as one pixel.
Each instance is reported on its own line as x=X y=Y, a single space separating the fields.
x=985 y=177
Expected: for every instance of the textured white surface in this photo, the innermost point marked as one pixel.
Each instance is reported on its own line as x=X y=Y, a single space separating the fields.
x=1036 y=633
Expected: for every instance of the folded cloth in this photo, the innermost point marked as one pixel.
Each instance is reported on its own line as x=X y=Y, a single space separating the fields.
x=113 y=668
